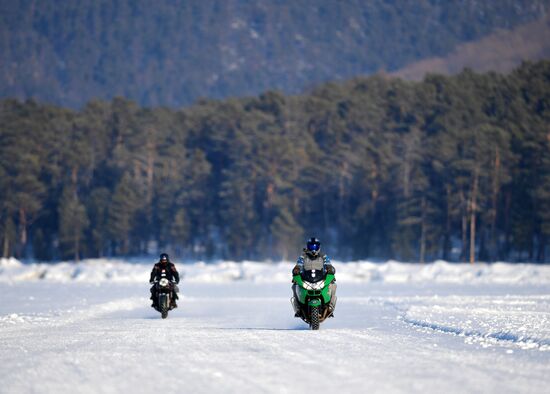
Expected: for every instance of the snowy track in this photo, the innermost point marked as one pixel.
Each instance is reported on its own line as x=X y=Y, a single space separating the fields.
x=241 y=337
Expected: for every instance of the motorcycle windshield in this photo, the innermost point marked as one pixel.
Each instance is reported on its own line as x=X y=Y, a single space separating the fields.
x=313 y=276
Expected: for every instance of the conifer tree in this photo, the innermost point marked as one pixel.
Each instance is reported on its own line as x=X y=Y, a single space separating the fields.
x=73 y=222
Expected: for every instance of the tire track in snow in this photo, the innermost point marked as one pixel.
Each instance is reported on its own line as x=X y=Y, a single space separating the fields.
x=485 y=338
x=68 y=316
x=510 y=321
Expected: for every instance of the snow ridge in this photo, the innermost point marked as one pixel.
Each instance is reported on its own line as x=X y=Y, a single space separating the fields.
x=112 y=270
x=486 y=339
x=518 y=321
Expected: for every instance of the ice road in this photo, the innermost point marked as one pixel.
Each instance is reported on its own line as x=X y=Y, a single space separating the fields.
x=88 y=328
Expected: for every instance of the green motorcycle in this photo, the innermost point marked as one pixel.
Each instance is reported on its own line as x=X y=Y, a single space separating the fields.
x=312 y=296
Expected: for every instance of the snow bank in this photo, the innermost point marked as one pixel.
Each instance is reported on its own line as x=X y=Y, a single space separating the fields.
x=445 y=272
x=103 y=270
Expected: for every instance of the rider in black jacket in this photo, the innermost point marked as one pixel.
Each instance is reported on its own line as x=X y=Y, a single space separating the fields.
x=165 y=266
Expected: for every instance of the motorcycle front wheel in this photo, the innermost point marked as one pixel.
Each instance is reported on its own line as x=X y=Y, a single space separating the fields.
x=164 y=303
x=314 y=325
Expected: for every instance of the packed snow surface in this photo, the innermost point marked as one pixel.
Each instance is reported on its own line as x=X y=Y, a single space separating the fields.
x=398 y=328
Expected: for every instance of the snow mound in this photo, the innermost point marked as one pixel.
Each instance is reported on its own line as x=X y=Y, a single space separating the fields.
x=113 y=270
x=444 y=272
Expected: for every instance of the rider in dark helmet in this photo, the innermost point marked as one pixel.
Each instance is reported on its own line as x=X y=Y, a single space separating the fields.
x=165 y=266
x=313 y=259
x=312 y=256
x=313 y=247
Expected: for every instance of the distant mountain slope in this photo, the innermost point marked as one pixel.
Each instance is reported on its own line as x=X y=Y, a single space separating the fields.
x=501 y=51
x=173 y=52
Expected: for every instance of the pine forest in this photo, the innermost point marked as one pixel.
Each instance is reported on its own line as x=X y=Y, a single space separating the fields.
x=452 y=167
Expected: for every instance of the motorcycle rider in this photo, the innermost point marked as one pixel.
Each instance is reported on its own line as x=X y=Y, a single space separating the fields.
x=164 y=265
x=313 y=259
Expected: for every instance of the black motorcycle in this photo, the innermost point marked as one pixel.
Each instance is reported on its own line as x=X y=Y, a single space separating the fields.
x=164 y=289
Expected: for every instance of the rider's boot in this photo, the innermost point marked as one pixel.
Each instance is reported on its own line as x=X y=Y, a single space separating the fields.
x=296 y=307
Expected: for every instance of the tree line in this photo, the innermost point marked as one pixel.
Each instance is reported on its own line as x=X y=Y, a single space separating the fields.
x=454 y=168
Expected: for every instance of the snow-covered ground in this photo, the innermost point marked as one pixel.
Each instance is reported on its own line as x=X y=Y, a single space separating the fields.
x=399 y=328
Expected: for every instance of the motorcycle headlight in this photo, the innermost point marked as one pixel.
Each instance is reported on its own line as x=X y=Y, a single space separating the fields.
x=319 y=285
x=314 y=286
x=164 y=282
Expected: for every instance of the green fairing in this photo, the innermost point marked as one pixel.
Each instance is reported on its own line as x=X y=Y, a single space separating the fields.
x=304 y=293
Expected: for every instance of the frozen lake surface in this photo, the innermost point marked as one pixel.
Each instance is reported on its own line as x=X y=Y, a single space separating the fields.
x=398 y=328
